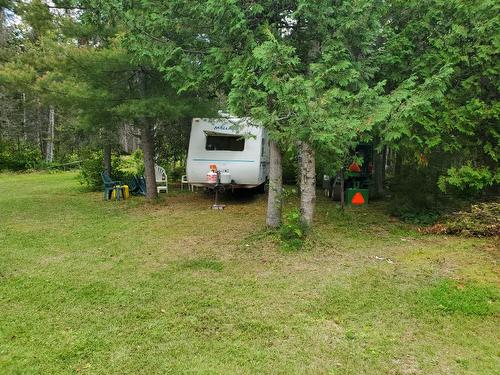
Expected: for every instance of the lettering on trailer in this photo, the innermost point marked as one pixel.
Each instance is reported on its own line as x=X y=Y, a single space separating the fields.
x=221 y=127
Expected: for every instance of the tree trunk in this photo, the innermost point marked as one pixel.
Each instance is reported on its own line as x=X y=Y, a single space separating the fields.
x=307 y=182
x=275 y=196
x=107 y=158
x=342 y=193
x=147 y=142
x=398 y=166
x=39 y=138
x=385 y=161
x=49 y=153
x=379 y=173
x=25 y=133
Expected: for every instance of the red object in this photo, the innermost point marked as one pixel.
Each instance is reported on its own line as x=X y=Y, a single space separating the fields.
x=358 y=199
x=354 y=167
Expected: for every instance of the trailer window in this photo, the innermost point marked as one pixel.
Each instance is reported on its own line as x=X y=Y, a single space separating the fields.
x=223 y=143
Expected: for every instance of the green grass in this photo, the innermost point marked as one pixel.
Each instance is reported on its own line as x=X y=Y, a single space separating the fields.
x=451 y=297
x=94 y=287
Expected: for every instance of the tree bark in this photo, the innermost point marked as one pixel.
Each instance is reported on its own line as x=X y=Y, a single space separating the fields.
x=25 y=134
x=342 y=192
x=379 y=172
x=275 y=196
x=398 y=166
x=49 y=153
x=39 y=137
x=107 y=158
x=385 y=161
x=307 y=182
x=147 y=143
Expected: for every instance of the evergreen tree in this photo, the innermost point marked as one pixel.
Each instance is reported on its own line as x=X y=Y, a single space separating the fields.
x=440 y=62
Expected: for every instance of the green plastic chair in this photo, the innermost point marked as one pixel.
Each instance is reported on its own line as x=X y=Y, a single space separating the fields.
x=110 y=185
x=137 y=185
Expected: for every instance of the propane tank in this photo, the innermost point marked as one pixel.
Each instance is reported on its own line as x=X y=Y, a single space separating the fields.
x=212 y=177
x=225 y=177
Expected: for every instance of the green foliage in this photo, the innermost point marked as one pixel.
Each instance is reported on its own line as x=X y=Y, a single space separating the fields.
x=293 y=231
x=123 y=168
x=19 y=157
x=415 y=197
x=420 y=76
x=308 y=84
x=127 y=166
x=441 y=66
x=414 y=214
x=91 y=169
x=175 y=173
x=469 y=180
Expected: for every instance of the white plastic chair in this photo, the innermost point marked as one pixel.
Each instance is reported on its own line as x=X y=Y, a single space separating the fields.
x=184 y=181
x=161 y=179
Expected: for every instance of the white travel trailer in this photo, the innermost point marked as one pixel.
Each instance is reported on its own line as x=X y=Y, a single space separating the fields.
x=239 y=149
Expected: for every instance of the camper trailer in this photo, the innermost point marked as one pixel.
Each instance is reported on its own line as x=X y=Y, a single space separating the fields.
x=234 y=148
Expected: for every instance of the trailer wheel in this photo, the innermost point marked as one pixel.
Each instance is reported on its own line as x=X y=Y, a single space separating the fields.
x=261 y=189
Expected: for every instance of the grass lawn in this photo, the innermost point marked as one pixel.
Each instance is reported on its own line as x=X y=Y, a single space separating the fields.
x=94 y=287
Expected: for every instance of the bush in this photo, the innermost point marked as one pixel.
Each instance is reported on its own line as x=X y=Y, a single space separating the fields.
x=416 y=199
x=123 y=168
x=176 y=173
x=468 y=180
x=413 y=213
x=127 y=166
x=293 y=231
x=91 y=169
x=19 y=157
x=138 y=157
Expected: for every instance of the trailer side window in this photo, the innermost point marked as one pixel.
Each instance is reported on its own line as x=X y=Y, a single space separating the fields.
x=222 y=143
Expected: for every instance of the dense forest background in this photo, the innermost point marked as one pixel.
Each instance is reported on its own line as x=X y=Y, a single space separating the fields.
x=86 y=81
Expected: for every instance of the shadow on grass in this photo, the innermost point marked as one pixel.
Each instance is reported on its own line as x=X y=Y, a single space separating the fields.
x=202 y=264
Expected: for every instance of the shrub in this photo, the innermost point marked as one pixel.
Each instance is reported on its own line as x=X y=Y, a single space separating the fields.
x=293 y=231
x=19 y=157
x=468 y=180
x=176 y=173
x=91 y=169
x=123 y=168
x=127 y=166
x=416 y=199
x=412 y=213
x=138 y=157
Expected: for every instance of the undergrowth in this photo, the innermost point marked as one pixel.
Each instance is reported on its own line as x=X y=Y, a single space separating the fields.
x=481 y=220
x=293 y=231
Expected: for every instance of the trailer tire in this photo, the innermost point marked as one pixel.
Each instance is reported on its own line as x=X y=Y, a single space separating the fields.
x=261 y=189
